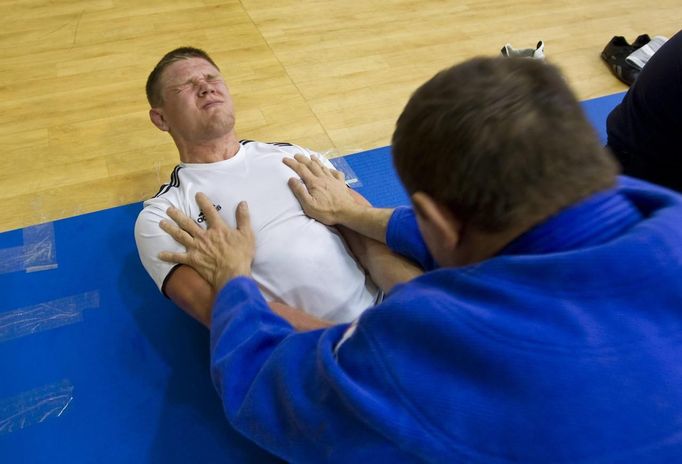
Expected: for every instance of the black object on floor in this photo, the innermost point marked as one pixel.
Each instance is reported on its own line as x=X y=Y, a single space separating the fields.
x=615 y=53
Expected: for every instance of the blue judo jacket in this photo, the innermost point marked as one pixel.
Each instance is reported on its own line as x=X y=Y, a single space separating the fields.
x=565 y=347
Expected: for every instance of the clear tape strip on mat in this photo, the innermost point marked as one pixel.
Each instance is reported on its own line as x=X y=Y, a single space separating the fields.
x=38 y=253
x=35 y=406
x=44 y=316
x=12 y=259
x=340 y=163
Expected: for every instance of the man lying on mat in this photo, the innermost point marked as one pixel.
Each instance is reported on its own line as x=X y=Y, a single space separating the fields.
x=548 y=328
x=299 y=262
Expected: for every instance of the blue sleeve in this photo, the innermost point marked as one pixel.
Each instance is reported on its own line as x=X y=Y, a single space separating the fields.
x=285 y=390
x=403 y=237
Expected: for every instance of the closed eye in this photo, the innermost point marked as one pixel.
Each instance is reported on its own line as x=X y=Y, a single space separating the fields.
x=180 y=88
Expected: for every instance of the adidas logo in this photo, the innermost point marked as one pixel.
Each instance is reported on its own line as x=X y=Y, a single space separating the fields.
x=202 y=218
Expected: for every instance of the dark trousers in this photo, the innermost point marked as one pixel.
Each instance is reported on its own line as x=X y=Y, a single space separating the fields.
x=644 y=130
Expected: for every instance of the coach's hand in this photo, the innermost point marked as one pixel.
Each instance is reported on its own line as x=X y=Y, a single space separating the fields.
x=218 y=253
x=322 y=192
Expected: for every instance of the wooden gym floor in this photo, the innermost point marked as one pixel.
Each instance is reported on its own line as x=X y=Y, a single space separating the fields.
x=330 y=75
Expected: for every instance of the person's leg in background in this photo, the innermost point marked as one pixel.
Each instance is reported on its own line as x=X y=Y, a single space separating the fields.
x=644 y=130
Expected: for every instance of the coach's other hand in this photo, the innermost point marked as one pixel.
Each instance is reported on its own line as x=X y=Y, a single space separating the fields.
x=322 y=192
x=218 y=253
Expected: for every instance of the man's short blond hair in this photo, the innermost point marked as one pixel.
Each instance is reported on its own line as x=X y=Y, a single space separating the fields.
x=153 y=87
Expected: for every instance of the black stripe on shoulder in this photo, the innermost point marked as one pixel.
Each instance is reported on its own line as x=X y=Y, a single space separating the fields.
x=164 y=189
x=174 y=182
x=176 y=173
x=245 y=141
x=281 y=144
x=160 y=190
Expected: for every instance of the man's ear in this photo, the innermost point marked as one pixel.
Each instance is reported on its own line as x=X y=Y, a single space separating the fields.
x=438 y=221
x=158 y=120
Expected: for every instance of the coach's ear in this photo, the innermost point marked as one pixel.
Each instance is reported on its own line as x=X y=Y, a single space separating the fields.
x=440 y=229
x=156 y=115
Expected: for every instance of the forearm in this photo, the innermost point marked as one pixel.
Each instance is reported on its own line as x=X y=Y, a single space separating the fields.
x=300 y=320
x=187 y=289
x=366 y=220
x=386 y=268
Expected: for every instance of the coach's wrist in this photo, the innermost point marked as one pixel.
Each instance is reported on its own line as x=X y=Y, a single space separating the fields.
x=350 y=214
x=224 y=278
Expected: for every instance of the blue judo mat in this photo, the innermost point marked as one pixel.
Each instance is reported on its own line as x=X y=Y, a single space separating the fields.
x=97 y=366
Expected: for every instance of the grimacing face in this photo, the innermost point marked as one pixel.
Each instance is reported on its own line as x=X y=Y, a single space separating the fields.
x=197 y=104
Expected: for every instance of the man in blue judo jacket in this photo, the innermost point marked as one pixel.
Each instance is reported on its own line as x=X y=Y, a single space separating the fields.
x=546 y=328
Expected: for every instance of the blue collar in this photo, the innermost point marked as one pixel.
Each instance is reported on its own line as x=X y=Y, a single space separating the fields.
x=596 y=220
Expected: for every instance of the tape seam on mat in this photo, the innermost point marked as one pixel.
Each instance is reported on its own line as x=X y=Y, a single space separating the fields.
x=38 y=252
x=35 y=406
x=45 y=316
x=352 y=179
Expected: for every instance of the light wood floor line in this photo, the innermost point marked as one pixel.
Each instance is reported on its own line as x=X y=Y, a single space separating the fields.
x=331 y=76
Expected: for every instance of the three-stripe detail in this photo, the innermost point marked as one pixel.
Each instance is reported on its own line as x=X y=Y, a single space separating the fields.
x=174 y=182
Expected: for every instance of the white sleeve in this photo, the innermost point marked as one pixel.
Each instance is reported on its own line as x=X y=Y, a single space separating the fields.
x=151 y=240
